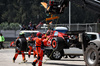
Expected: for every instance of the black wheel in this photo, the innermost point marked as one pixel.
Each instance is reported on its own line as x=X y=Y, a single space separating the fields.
x=18 y=43
x=55 y=55
x=92 y=55
x=58 y=43
x=22 y=44
x=72 y=56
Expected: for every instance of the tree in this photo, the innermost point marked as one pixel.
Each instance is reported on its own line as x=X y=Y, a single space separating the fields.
x=24 y=11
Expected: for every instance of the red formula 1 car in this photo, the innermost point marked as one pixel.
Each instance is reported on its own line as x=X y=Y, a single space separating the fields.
x=54 y=42
x=54 y=37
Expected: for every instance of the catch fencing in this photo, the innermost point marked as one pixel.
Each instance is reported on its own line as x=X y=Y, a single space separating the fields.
x=88 y=27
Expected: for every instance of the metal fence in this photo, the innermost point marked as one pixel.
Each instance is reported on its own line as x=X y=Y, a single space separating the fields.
x=89 y=27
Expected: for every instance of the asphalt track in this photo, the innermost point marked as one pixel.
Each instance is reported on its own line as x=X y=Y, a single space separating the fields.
x=6 y=56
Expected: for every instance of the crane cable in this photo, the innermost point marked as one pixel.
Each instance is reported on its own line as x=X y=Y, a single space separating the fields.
x=49 y=56
x=56 y=22
x=53 y=50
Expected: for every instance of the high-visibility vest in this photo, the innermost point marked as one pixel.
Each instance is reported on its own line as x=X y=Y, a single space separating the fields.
x=38 y=42
x=30 y=38
x=2 y=39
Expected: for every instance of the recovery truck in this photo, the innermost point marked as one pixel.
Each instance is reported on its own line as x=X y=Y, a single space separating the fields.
x=58 y=42
x=89 y=47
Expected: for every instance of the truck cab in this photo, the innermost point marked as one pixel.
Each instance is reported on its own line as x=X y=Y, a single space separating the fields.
x=74 y=51
x=93 y=35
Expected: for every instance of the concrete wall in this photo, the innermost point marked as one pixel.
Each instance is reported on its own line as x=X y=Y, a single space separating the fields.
x=10 y=33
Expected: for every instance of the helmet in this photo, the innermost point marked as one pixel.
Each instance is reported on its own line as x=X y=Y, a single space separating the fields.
x=38 y=34
x=22 y=33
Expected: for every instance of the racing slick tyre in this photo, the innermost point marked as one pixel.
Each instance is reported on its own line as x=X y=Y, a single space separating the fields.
x=72 y=56
x=21 y=43
x=92 y=55
x=55 y=55
x=58 y=43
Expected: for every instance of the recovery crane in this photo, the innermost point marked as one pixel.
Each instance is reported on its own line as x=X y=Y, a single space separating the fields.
x=91 y=48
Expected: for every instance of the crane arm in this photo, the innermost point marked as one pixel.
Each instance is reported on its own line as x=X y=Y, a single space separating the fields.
x=89 y=4
x=58 y=7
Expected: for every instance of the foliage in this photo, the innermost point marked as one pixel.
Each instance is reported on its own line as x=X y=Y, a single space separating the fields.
x=14 y=26
x=11 y=26
x=24 y=11
x=4 y=26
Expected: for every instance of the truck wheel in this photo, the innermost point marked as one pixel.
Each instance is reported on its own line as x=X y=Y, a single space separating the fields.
x=56 y=55
x=72 y=56
x=92 y=55
x=58 y=43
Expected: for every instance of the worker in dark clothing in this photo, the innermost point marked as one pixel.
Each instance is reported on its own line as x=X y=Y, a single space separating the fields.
x=38 y=50
x=18 y=49
x=31 y=45
x=23 y=27
x=2 y=39
x=34 y=26
x=30 y=26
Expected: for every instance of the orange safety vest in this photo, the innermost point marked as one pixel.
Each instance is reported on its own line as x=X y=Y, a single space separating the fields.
x=30 y=38
x=38 y=42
